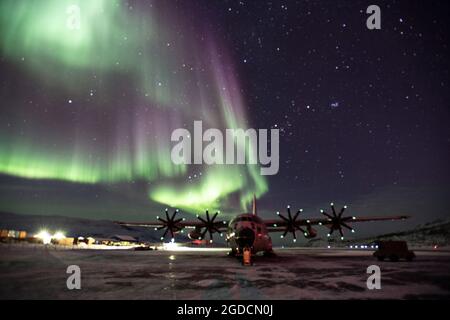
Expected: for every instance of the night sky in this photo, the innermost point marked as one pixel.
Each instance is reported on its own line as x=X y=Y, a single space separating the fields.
x=86 y=115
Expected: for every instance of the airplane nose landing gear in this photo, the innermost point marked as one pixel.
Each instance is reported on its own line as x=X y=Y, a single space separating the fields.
x=247 y=257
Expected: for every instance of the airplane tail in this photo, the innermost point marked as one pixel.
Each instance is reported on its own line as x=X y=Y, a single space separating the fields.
x=254 y=206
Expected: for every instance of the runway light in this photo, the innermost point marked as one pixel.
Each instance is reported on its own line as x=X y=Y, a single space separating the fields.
x=288 y=206
x=320 y=223
x=328 y=235
x=353 y=230
x=157 y=217
x=278 y=213
x=356 y=247
x=162 y=238
x=354 y=218
x=332 y=204
x=184 y=219
x=295 y=240
x=345 y=207
x=281 y=236
x=342 y=238
x=274 y=224
x=329 y=247
x=351 y=247
x=321 y=210
x=221 y=234
x=306 y=234
x=44 y=236
x=156 y=229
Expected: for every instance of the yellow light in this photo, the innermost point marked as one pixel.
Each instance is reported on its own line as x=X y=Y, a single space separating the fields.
x=59 y=235
x=44 y=236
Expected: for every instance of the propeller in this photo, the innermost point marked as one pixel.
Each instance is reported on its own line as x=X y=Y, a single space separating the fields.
x=170 y=224
x=337 y=221
x=291 y=223
x=210 y=226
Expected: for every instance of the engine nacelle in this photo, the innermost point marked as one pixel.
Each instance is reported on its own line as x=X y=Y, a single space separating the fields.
x=195 y=234
x=310 y=233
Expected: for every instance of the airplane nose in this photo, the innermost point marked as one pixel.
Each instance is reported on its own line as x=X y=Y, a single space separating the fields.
x=245 y=237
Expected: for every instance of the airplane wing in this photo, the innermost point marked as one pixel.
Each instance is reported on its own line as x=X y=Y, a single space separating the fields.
x=333 y=221
x=173 y=225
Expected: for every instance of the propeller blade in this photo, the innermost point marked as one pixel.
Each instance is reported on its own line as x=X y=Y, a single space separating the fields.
x=296 y=215
x=332 y=208
x=346 y=226
x=167 y=215
x=342 y=211
x=326 y=214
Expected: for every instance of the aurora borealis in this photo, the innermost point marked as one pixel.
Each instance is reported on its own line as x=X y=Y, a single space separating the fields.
x=104 y=134
x=87 y=113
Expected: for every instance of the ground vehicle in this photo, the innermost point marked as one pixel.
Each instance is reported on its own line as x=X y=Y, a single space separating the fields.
x=393 y=250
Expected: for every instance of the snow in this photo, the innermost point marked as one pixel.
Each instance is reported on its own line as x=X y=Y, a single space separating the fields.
x=35 y=272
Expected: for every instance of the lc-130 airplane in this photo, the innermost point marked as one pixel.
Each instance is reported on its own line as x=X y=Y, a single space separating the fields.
x=247 y=232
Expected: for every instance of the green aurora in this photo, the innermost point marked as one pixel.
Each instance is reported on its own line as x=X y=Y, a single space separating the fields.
x=110 y=93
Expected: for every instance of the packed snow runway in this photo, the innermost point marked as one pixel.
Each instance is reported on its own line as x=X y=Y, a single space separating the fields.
x=38 y=273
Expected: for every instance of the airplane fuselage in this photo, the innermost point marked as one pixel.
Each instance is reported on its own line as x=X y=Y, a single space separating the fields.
x=248 y=231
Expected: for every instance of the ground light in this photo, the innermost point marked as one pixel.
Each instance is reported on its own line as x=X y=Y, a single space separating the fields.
x=45 y=236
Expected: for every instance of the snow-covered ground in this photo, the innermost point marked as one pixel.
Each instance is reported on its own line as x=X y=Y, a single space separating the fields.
x=39 y=273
